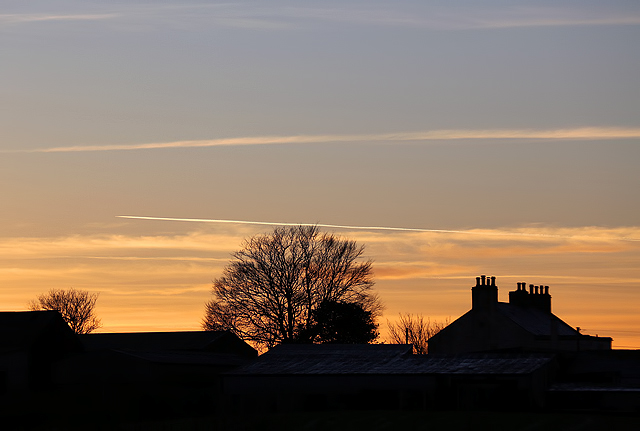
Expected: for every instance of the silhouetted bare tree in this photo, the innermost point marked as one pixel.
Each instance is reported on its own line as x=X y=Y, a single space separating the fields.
x=416 y=330
x=75 y=306
x=269 y=291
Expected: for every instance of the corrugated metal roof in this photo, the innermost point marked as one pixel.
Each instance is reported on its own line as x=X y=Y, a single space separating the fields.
x=371 y=359
x=478 y=364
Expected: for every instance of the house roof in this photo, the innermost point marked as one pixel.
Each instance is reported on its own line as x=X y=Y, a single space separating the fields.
x=535 y=321
x=21 y=330
x=382 y=359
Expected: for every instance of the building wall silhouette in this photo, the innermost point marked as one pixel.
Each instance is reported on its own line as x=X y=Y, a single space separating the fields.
x=525 y=323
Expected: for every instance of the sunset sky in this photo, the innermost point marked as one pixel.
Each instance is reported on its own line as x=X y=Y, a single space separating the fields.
x=509 y=132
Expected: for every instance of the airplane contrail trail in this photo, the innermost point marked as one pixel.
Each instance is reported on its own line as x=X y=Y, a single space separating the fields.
x=290 y=224
x=387 y=228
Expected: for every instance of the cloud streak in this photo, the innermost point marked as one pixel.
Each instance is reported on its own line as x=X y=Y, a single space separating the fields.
x=387 y=228
x=38 y=17
x=583 y=133
x=463 y=18
x=536 y=16
x=284 y=17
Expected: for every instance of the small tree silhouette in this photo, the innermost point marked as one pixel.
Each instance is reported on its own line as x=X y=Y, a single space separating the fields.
x=75 y=306
x=416 y=330
x=342 y=323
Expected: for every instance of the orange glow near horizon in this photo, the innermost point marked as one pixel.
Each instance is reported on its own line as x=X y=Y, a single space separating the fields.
x=160 y=283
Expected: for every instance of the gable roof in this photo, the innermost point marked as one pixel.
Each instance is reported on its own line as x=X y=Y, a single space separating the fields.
x=23 y=330
x=535 y=321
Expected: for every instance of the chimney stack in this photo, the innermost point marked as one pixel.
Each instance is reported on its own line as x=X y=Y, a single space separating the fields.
x=538 y=297
x=484 y=295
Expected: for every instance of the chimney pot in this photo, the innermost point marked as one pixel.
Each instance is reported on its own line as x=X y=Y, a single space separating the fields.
x=531 y=289
x=477 y=281
x=536 y=287
x=483 y=277
x=493 y=281
x=546 y=290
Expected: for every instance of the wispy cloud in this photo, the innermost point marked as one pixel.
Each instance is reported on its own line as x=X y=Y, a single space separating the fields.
x=557 y=21
x=278 y=16
x=538 y=16
x=583 y=133
x=41 y=17
x=482 y=16
x=429 y=16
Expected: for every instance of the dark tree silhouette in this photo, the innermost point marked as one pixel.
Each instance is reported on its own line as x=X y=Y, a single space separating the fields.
x=268 y=293
x=342 y=322
x=416 y=330
x=75 y=306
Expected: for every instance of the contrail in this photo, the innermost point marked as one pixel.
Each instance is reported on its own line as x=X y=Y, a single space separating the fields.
x=387 y=228
x=584 y=133
x=266 y=223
